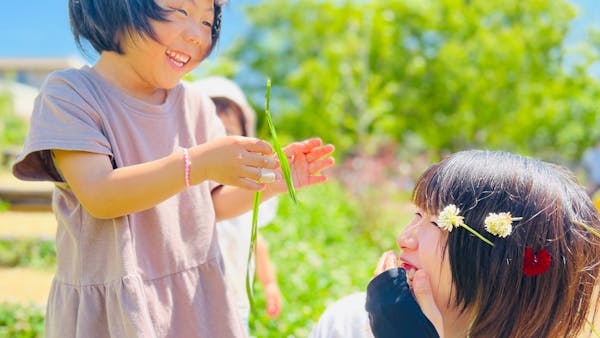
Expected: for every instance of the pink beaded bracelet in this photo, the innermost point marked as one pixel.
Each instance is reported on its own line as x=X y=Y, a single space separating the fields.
x=188 y=165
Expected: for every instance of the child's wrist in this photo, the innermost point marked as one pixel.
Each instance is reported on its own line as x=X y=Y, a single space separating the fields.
x=187 y=166
x=198 y=169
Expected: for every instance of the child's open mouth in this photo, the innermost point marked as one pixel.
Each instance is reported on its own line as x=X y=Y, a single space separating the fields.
x=178 y=59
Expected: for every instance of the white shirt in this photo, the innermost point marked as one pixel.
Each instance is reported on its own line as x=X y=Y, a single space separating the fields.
x=345 y=318
x=234 y=239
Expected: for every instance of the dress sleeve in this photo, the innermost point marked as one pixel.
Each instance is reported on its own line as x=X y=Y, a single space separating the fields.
x=61 y=119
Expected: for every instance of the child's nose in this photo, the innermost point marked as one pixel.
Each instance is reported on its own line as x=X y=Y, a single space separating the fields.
x=194 y=34
x=406 y=240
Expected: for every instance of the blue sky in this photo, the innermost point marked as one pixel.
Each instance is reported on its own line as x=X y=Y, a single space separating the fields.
x=40 y=28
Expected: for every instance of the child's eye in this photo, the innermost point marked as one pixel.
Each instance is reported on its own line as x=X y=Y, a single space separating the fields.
x=180 y=11
x=207 y=24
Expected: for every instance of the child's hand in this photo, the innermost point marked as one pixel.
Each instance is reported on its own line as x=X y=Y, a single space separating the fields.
x=232 y=160
x=307 y=159
x=273 y=298
x=388 y=260
x=422 y=292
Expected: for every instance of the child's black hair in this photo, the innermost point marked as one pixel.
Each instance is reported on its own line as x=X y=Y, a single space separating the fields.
x=104 y=22
x=490 y=280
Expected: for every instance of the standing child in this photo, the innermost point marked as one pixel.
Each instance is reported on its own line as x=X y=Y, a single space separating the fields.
x=234 y=234
x=142 y=171
x=537 y=276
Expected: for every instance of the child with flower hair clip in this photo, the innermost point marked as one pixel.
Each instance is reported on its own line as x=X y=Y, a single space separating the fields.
x=142 y=171
x=500 y=246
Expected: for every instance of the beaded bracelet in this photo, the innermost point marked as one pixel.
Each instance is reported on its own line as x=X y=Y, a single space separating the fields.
x=188 y=165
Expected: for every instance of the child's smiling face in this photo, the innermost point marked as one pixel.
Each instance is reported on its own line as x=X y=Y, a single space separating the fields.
x=183 y=42
x=423 y=248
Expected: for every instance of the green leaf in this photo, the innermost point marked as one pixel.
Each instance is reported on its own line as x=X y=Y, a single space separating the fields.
x=252 y=251
x=287 y=174
x=285 y=165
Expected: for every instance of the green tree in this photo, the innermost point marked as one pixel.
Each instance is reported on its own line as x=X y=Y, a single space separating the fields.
x=449 y=74
x=12 y=128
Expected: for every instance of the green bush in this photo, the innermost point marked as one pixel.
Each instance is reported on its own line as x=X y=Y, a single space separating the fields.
x=12 y=128
x=323 y=249
x=21 y=321
x=27 y=252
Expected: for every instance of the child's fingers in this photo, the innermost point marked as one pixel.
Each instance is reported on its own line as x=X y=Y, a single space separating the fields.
x=319 y=152
x=424 y=296
x=316 y=179
x=260 y=161
x=302 y=147
x=391 y=260
x=388 y=260
x=259 y=175
x=320 y=165
x=255 y=145
x=273 y=306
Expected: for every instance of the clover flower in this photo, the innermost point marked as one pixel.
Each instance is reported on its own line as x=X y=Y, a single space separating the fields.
x=449 y=219
x=500 y=224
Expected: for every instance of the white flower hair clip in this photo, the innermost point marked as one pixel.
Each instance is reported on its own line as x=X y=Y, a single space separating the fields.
x=499 y=224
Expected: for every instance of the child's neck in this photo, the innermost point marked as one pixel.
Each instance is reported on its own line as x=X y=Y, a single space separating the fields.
x=457 y=325
x=119 y=74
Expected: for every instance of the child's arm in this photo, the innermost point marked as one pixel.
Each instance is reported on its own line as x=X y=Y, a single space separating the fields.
x=307 y=159
x=265 y=272
x=108 y=193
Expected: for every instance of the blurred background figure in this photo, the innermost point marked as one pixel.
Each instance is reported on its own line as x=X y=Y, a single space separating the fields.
x=345 y=318
x=234 y=234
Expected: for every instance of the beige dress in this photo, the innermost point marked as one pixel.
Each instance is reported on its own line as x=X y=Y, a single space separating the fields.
x=156 y=273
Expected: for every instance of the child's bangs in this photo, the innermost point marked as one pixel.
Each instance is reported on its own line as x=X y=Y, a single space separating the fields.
x=428 y=194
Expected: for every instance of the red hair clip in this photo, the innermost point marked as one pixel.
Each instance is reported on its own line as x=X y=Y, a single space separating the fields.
x=536 y=264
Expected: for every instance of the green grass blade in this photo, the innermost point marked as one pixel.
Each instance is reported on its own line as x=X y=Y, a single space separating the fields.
x=252 y=251
x=285 y=165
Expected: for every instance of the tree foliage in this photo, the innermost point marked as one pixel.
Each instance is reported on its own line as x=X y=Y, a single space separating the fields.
x=445 y=74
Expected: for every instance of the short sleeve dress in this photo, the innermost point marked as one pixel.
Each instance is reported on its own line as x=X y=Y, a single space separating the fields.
x=155 y=273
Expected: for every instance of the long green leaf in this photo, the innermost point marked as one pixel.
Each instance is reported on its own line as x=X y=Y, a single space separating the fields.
x=252 y=251
x=285 y=165
x=287 y=174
